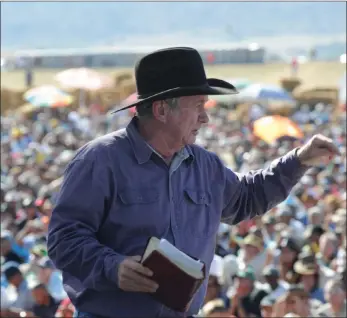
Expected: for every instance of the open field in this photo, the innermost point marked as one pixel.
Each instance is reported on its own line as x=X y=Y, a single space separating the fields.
x=312 y=74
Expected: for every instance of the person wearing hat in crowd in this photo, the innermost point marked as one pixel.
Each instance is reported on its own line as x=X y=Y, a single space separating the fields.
x=252 y=254
x=308 y=270
x=289 y=251
x=271 y=275
x=150 y=179
x=244 y=295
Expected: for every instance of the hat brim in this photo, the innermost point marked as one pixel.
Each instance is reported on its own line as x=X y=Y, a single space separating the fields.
x=214 y=86
x=301 y=269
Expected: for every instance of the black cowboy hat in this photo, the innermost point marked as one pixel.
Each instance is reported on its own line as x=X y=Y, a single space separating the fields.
x=174 y=72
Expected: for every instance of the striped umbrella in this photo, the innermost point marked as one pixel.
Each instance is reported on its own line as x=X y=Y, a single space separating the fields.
x=48 y=96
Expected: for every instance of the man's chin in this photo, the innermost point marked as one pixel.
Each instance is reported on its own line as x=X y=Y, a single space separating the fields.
x=191 y=140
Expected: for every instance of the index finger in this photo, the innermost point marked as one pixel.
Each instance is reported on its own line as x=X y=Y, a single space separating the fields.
x=329 y=144
x=139 y=268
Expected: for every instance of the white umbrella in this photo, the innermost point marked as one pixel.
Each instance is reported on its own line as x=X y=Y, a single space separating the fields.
x=84 y=78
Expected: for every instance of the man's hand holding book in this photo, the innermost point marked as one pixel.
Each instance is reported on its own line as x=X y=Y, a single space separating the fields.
x=134 y=277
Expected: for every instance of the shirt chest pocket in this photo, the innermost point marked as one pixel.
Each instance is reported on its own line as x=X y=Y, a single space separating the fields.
x=138 y=210
x=198 y=217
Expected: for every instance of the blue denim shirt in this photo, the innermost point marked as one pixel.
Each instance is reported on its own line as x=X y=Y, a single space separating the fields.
x=117 y=193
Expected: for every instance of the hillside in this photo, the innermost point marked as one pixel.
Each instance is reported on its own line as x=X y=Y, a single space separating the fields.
x=80 y=24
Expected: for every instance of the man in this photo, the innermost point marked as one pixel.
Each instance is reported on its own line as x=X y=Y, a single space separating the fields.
x=45 y=305
x=271 y=275
x=245 y=296
x=251 y=254
x=18 y=288
x=336 y=297
x=151 y=180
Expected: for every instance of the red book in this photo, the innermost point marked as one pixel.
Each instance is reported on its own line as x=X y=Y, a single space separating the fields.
x=178 y=275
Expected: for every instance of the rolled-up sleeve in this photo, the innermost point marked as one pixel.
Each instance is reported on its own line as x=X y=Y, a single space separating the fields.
x=80 y=210
x=252 y=194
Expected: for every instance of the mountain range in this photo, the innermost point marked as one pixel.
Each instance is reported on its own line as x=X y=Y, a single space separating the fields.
x=29 y=25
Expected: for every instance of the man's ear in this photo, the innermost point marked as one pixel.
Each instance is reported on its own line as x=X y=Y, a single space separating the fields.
x=160 y=110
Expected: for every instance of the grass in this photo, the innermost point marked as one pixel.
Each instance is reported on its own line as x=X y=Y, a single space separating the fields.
x=313 y=74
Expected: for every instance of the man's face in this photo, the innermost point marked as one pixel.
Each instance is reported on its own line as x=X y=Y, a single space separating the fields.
x=287 y=255
x=243 y=286
x=185 y=121
x=272 y=280
x=39 y=295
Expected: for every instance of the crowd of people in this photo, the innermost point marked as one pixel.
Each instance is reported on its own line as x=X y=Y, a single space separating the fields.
x=291 y=261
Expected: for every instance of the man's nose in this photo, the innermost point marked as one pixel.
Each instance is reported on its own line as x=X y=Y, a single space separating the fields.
x=204 y=119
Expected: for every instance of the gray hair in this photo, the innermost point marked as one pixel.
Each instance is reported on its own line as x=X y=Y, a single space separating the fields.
x=332 y=286
x=145 y=110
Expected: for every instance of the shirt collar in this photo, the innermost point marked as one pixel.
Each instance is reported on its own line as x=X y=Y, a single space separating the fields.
x=143 y=150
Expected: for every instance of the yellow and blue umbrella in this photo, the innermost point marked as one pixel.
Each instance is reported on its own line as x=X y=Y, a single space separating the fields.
x=48 y=96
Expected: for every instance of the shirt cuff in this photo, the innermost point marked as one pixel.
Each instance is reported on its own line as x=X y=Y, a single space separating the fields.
x=111 y=266
x=297 y=168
